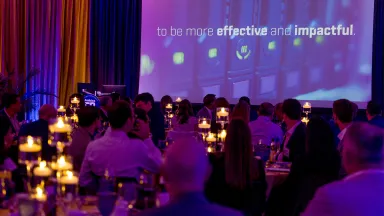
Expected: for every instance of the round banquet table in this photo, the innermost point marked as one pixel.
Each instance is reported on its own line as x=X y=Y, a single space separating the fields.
x=274 y=179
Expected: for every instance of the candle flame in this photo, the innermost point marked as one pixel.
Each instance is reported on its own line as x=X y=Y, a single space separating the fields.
x=60 y=123
x=42 y=164
x=223 y=134
x=69 y=174
x=75 y=98
x=30 y=141
x=204 y=122
x=39 y=192
x=210 y=135
x=61 y=161
x=209 y=149
x=222 y=110
x=61 y=107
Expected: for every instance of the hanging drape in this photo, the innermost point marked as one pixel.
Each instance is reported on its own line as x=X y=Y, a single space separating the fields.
x=13 y=39
x=43 y=51
x=115 y=43
x=377 y=55
x=75 y=47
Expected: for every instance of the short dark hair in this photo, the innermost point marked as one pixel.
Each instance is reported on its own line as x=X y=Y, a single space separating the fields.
x=145 y=97
x=87 y=115
x=209 y=99
x=373 y=108
x=8 y=99
x=343 y=110
x=119 y=113
x=245 y=99
x=115 y=96
x=266 y=109
x=292 y=109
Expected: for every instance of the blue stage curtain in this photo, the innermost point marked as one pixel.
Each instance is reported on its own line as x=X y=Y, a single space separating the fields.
x=115 y=43
x=377 y=55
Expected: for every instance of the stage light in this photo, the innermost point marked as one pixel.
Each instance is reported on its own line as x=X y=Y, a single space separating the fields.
x=297 y=42
x=178 y=58
x=319 y=39
x=272 y=45
x=212 y=53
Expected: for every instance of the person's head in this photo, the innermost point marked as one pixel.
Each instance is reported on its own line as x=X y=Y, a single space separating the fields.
x=373 y=109
x=47 y=112
x=241 y=111
x=342 y=112
x=266 y=109
x=186 y=166
x=238 y=147
x=121 y=116
x=279 y=111
x=144 y=101
x=115 y=97
x=245 y=99
x=363 y=148
x=209 y=101
x=291 y=111
x=185 y=111
x=166 y=99
x=105 y=101
x=89 y=118
x=11 y=102
x=222 y=102
x=319 y=138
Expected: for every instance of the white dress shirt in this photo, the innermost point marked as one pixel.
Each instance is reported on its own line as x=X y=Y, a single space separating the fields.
x=120 y=155
x=264 y=130
x=288 y=135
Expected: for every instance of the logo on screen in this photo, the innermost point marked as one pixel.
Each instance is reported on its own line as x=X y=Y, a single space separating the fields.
x=242 y=52
x=91 y=100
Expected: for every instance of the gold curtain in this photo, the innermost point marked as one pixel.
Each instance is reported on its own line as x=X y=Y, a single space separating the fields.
x=75 y=47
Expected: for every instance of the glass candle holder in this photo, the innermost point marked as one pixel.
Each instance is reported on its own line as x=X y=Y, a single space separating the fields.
x=168 y=108
x=222 y=115
x=74 y=118
x=68 y=183
x=29 y=150
x=39 y=194
x=61 y=111
x=60 y=134
x=42 y=173
x=204 y=126
x=64 y=163
x=178 y=100
x=75 y=103
x=307 y=108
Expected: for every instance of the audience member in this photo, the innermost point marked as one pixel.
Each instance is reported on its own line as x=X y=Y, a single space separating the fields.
x=221 y=102
x=319 y=166
x=252 y=113
x=40 y=128
x=293 y=144
x=115 y=151
x=105 y=104
x=278 y=117
x=241 y=111
x=373 y=113
x=209 y=105
x=88 y=123
x=238 y=179
x=165 y=100
x=361 y=192
x=146 y=102
x=184 y=119
x=185 y=169
x=263 y=128
x=6 y=140
x=115 y=97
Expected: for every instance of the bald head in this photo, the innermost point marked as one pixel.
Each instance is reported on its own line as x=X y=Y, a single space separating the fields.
x=363 y=147
x=47 y=112
x=186 y=164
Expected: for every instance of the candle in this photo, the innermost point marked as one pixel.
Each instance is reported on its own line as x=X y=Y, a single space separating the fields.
x=61 y=109
x=62 y=164
x=69 y=179
x=209 y=150
x=204 y=125
x=40 y=195
x=223 y=134
x=169 y=106
x=75 y=118
x=60 y=127
x=211 y=138
x=178 y=100
x=42 y=170
x=307 y=105
x=170 y=115
x=222 y=113
x=75 y=100
x=305 y=120
x=30 y=146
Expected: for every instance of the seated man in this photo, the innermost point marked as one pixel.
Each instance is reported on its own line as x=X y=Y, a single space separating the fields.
x=362 y=191
x=186 y=169
x=374 y=114
x=116 y=153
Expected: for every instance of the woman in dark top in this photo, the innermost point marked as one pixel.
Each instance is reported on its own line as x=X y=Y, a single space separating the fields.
x=319 y=166
x=238 y=179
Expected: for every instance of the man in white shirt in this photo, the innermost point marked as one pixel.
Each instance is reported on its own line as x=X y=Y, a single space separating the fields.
x=263 y=129
x=361 y=193
x=116 y=153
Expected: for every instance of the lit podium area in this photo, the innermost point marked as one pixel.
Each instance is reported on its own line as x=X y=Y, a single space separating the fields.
x=91 y=95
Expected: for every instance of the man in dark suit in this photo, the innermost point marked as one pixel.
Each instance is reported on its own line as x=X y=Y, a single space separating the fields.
x=105 y=103
x=186 y=168
x=374 y=114
x=293 y=145
x=40 y=128
x=208 y=110
x=252 y=112
x=146 y=102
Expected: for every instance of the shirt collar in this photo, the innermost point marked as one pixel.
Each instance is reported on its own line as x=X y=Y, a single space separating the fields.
x=293 y=128
x=209 y=111
x=342 y=133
